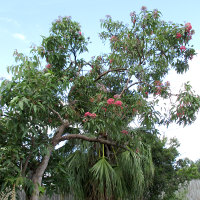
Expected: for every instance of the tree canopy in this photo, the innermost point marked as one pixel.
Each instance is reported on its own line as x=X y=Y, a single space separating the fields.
x=101 y=108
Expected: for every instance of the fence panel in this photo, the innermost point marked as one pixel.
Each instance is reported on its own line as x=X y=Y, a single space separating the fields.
x=22 y=196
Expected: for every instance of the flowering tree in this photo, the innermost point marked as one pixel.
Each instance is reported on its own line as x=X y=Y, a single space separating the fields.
x=91 y=104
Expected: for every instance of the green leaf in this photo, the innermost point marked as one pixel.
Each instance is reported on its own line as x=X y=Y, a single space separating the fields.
x=14 y=100
x=21 y=104
x=35 y=108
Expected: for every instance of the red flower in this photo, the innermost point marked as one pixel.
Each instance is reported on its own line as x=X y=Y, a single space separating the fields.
x=158 y=90
x=157 y=83
x=110 y=101
x=105 y=109
x=144 y=8
x=93 y=115
x=79 y=33
x=188 y=27
x=182 y=48
x=189 y=36
x=111 y=61
x=178 y=35
x=124 y=131
x=87 y=114
x=48 y=66
x=118 y=103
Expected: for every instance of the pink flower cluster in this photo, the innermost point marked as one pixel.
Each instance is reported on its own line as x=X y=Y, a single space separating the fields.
x=118 y=103
x=178 y=35
x=112 y=101
x=124 y=132
x=188 y=27
x=48 y=66
x=182 y=48
x=159 y=87
x=92 y=115
x=158 y=90
x=157 y=83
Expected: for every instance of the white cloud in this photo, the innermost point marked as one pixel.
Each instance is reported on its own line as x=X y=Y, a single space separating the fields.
x=19 y=36
x=9 y=20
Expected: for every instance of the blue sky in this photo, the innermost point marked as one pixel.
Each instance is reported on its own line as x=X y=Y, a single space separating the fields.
x=23 y=22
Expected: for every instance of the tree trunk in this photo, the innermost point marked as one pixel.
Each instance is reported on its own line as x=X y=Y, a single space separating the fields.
x=37 y=176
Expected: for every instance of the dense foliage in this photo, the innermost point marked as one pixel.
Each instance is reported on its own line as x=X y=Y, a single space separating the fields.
x=101 y=108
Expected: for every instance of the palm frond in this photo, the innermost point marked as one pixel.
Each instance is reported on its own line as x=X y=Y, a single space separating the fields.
x=105 y=177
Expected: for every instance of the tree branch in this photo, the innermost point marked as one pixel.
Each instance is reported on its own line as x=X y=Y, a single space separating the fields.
x=79 y=70
x=110 y=70
x=134 y=84
x=59 y=132
x=125 y=87
x=89 y=139
x=61 y=119
x=28 y=158
x=26 y=164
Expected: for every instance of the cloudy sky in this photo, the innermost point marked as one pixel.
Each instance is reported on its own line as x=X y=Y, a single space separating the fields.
x=23 y=22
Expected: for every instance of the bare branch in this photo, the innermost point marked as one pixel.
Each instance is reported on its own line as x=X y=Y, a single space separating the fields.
x=126 y=85
x=61 y=119
x=110 y=70
x=134 y=84
x=79 y=70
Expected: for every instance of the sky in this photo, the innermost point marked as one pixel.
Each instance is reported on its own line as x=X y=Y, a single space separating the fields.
x=22 y=23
